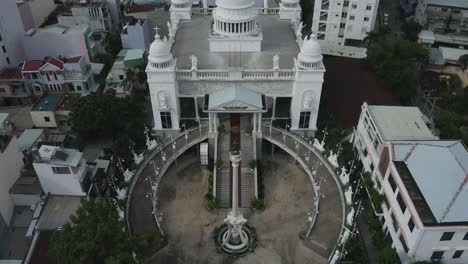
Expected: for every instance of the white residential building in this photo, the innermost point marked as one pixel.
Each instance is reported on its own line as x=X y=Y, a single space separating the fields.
x=34 y=12
x=235 y=61
x=11 y=34
x=135 y=34
x=62 y=171
x=94 y=13
x=423 y=182
x=11 y=161
x=339 y=23
x=58 y=41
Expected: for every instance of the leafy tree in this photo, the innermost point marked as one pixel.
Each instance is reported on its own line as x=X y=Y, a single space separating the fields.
x=464 y=61
x=94 y=235
x=411 y=30
x=107 y=116
x=449 y=124
x=397 y=62
x=387 y=256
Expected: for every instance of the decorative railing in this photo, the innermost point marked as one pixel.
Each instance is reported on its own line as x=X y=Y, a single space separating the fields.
x=209 y=11
x=235 y=74
x=302 y=151
x=161 y=158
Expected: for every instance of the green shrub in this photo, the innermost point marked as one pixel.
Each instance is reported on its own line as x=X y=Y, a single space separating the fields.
x=257 y=204
x=221 y=129
x=253 y=164
x=248 y=130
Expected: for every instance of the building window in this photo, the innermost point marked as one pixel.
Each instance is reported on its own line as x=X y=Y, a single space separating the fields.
x=447 y=236
x=368 y=7
x=392 y=183
x=444 y=9
x=466 y=236
x=411 y=224
x=166 y=120
x=121 y=77
x=342 y=25
x=354 y=6
x=34 y=75
x=401 y=203
x=457 y=253
x=366 y=18
x=46 y=118
x=8 y=60
x=365 y=152
x=48 y=77
x=3 y=48
x=346 y=3
x=372 y=167
x=437 y=254
x=61 y=170
x=304 y=120
x=344 y=14
x=78 y=87
x=55 y=76
x=351 y=17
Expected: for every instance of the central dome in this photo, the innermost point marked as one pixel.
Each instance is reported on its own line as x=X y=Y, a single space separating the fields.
x=235 y=4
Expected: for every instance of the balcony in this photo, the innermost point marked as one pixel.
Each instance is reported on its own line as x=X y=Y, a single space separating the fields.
x=245 y=75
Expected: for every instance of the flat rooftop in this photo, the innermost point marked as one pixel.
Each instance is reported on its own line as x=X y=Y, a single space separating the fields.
x=192 y=39
x=449 y=3
x=28 y=138
x=435 y=174
x=48 y=102
x=400 y=123
x=57 y=212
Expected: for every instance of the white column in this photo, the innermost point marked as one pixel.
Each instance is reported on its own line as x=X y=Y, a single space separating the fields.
x=210 y=123
x=196 y=108
x=205 y=3
x=235 y=185
x=265 y=3
x=254 y=122
x=259 y=128
x=215 y=122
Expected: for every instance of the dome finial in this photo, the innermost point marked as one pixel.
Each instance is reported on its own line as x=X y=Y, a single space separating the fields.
x=156 y=28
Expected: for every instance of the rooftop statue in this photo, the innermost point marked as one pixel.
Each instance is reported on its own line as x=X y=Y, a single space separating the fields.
x=276 y=62
x=194 y=62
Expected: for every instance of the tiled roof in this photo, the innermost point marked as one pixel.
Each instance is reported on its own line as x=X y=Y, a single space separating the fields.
x=32 y=65
x=72 y=59
x=11 y=74
x=55 y=62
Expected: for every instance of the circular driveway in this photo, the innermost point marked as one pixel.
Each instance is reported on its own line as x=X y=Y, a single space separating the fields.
x=288 y=199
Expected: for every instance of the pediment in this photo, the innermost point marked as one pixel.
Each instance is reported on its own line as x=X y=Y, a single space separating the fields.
x=235 y=105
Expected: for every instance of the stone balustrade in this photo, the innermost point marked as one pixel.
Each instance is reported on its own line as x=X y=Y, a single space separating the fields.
x=246 y=75
x=209 y=11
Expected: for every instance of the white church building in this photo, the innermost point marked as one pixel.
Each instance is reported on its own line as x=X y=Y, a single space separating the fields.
x=235 y=58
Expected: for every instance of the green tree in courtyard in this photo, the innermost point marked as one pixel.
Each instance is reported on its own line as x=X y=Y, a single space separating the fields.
x=464 y=61
x=411 y=30
x=94 y=235
x=397 y=62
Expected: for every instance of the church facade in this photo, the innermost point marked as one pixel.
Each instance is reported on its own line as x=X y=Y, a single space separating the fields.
x=235 y=58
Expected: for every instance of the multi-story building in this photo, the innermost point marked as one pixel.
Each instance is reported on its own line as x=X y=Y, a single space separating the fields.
x=343 y=22
x=62 y=171
x=11 y=34
x=117 y=81
x=422 y=180
x=58 y=41
x=12 y=88
x=236 y=50
x=94 y=13
x=380 y=124
x=53 y=111
x=34 y=12
x=135 y=34
x=71 y=75
x=445 y=22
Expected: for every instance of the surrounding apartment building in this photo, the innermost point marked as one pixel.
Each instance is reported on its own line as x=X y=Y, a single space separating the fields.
x=11 y=161
x=117 y=80
x=12 y=88
x=135 y=34
x=34 y=12
x=72 y=75
x=343 y=23
x=11 y=34
x=62 y=171
x=422 y=212
x=444 y=21
x=58 y=41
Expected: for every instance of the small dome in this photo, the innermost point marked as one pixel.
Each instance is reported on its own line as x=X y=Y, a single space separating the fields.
x=310 y=50
x=234 y=4
x=159 y=51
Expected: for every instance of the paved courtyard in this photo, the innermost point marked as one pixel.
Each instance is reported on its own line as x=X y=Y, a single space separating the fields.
x=189 y=226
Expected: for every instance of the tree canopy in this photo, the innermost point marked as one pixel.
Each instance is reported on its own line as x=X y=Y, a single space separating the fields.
x=94 y=235
x=397 y=62
x=108 y=116
x=464 y=61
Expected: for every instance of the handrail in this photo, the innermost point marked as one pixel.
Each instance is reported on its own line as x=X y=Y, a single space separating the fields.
x=268 y=135
x=149 y=157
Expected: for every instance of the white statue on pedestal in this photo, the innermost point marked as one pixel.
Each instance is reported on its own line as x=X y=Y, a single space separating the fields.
x=299 y=30
x=138 y=158
x=344 y=176
x=276 y=62
x=121 y=193
x=350 y=217
x=128 y=175
x=336 y=257
x=194 y=62
x=121 y=214
x=150 y=144
x=307 y=100
x=169 y=29
x=319 y=145
x=162 y=100
x=333 y=159
x=349 y=195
